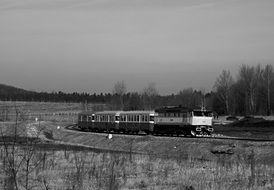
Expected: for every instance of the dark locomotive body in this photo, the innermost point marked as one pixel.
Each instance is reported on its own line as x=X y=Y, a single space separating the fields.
x=166 y=120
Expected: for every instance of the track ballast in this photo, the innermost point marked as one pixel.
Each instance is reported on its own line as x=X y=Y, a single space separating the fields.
x=74 y=127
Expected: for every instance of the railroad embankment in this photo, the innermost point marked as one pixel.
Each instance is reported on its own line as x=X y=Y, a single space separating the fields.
x=169 y=147
x=161 y=146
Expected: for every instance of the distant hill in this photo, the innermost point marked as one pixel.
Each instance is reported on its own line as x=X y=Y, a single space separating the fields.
x=7 y=89
x=11 y=93
x=8 y=92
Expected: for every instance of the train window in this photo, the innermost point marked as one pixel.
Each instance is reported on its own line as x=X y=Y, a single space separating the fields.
x=123 y=118
x=117 y=118
x=198 y=113
x=151 y=118
x=84 y=118
x=189 y=114
x=161 y=114
x=92 y=117
x=143 y=118
x=138 y=118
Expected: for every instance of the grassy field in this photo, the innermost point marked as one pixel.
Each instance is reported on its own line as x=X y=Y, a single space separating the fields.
x=63 y=159
x=86 y=169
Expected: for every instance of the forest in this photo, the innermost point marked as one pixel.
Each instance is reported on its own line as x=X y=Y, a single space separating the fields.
x=250 y=92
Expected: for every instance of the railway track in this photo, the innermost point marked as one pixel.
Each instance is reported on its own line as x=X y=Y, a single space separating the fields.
x=74 y=127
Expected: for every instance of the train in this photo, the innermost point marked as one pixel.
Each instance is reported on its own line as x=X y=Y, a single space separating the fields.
x=170 y=120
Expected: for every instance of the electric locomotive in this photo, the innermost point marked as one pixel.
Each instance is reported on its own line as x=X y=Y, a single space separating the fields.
x=181 y=120
x=166 y=120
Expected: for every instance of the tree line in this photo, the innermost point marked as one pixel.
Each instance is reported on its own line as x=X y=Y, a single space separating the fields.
x=250 y=92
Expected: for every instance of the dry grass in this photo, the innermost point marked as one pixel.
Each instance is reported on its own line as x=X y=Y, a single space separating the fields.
x=87 y=170
x=144 y=162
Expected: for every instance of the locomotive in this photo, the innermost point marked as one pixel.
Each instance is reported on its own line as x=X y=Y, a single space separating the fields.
x=165 y=120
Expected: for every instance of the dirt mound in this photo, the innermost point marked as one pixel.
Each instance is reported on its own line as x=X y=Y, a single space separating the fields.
x=250 y=121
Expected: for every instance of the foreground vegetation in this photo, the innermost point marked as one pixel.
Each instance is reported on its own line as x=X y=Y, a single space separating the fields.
x=65 y=169
x=129 y=162
x=35 y=154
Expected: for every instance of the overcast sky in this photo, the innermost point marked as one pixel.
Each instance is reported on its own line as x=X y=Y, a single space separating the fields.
x=88 y=45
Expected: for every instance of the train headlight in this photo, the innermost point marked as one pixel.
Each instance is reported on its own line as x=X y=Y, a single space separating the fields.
x=210 y=129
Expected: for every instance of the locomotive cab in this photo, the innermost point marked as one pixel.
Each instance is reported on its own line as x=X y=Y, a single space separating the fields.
x=202 y=121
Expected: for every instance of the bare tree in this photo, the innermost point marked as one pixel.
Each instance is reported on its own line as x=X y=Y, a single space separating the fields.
x=223 y=87
x=4 y=114
x=11 y=165
x=267 y=78
x=250 y=79
x=19 y=153
x=120 y=89
x=149 y=94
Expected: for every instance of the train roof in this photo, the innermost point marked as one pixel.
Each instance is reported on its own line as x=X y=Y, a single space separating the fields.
x=86 y=112
x=118 y=112
x=171 y=109
x=167 y=109
x=138 y=112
